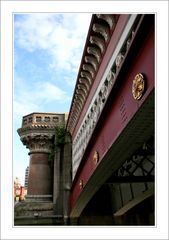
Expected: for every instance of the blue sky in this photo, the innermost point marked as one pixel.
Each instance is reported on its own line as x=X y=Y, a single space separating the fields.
x=47 y=53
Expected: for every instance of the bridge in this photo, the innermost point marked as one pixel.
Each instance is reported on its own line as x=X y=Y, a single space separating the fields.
x=111 y=122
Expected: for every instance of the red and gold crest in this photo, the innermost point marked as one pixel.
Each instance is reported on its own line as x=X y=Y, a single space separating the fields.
x=138 y=86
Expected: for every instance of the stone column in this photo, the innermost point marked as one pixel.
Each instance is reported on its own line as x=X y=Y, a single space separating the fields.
x=40 y=180
x=67 y=176
x=40 y=176
x=56 y=180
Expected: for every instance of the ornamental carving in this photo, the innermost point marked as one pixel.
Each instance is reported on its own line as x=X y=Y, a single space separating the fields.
x=99 y=42
x=92 y=60
x=96 y=157
x=138 y=86
x=85 y=81
x=119 y=59
x=78 y=104
x=104 y=92
x=95 y=51
x=83 y=88
x=129 y=40
x=81 y=93
x=102 y=29
x=87 y=75
x=109 y=18
x=109 y=76
x=89 y=68
x=80 y=100
x=38 y=142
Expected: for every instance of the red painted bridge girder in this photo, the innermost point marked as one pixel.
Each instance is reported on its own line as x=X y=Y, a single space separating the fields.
x=120 y=107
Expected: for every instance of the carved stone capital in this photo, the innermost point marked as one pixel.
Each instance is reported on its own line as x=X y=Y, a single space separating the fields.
x=37 y=140
x=38 y=143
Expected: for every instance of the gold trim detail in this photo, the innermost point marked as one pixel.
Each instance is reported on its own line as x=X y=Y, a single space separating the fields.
x=138 y=86
x=81 y=184
x=96 y=157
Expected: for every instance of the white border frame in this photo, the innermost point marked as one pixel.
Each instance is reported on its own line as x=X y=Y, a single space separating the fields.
x=7 y=229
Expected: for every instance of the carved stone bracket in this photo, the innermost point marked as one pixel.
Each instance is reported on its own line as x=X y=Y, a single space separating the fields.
x=89 y=68
x=109 y=18
x=95 y=51
x=99 y=42
x=87 y=75
x=103 y=30
x=92 y=60
x=81 y=93
x=83 y=88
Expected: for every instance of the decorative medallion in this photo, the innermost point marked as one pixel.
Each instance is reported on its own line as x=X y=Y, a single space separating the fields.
x=96 y=157
x=81 y=184
x=138 y=86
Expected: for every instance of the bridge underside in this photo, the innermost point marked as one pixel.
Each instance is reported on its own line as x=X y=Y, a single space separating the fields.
x=127 y=197
x=121 y=191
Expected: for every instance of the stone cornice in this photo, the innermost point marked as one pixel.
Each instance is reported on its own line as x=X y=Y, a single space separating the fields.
x=100 y=31
x=36 y=127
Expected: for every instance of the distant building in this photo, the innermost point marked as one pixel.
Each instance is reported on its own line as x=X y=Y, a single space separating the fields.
x=17 y=182
x=19 y=191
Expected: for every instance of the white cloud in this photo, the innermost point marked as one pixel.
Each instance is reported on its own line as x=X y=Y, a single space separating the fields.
x=61 y=35
x=62 y=38
x=33 y=98
x=70 y=81
x=22 y=108
x=48 y=92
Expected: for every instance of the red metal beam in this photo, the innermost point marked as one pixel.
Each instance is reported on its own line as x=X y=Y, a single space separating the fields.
x=119 y=104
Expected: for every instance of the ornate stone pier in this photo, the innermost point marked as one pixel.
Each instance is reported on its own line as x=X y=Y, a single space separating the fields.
x=37 y=133
x=40 y=181
x=49 y=172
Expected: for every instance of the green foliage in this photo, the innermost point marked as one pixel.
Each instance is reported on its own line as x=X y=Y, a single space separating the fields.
x=60 y=132
x=51 y=155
